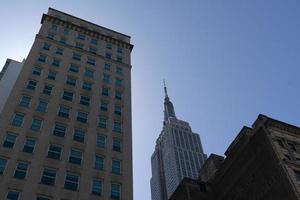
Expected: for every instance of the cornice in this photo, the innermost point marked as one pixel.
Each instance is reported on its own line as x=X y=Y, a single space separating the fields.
x=86 y=31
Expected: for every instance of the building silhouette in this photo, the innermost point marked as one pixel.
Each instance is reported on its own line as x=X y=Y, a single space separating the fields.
x=65 y=127
x=178 y=153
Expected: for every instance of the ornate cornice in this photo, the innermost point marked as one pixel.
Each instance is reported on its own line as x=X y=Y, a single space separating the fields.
x=95 y=34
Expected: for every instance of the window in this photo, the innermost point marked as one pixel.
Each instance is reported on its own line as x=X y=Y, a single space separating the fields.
x=52 y=75
x=71 y=81
x=63 y=40
x=37 y=71
x=79 y=45
x=59 y=130
x=29 y=145
x=56 y=62
x=120 y=50
x=71 y=181
x=50 y=36
x=91 y=61
x=106 y=78
x=68 y=96
x=109 y=45
x=101 y=141
x=93 y=50
x=97 y=187
x=89 y=73
x=117 y=126
x=66 y=31
x=17 y=120
x=31 y=85
x=105 y=91
x=107 y=66
x=64 y=111
x=48 y=176
x=99 y=162
x=21 y=170
x=54 y=151
x=118 y=95
x=79 y=135
x=102 y=122
x=36 y=124
x=42 y=58
x=59 y=51
x=47 y=89
x=25 y=101
x=9 y=140
x=115 y=192
x=76 y=56
x=119 y=71
x=42 y=106
x=118 y=82
x=74 y=68
x=108 y=55
x=46 y=46
x=119 y=59
x=104 y=106
x=81 y=37
x=12 y=195
x=116 y=146
x=84 y=100
x=87 y=86
x=2 y=165
x=82 y=117
x=75 y=156
x=118 y=110
x=94 y=41
x=116 y=167
x=53 y=27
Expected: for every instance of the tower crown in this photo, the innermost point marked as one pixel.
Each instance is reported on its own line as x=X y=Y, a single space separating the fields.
x=168 y=106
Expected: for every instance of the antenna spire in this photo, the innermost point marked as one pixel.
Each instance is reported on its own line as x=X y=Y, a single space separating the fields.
x=165 y=88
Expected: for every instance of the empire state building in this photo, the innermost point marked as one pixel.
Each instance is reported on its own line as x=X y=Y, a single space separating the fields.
x=178 y=153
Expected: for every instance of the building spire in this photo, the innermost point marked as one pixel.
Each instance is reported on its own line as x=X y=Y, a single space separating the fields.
x=165 y=88
x=168 y=106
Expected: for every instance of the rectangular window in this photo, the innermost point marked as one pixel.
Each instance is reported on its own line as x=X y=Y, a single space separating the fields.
x=119 y=71
x=42 y=106
x=53 y=27
x=63 y=40
x=117 y=126
x=50 y=36
x=59 y=130
x=79 y=45
x=21 y=170
x=120 y=59
x=46 y=46
x=42 y=58
x=48 y=176
x=99 y=162
x=71 y=81
x=56 y=62
x=118 y=82
x=84 y=100
x=116 y=167
x=81 y=37
x=68 y=96
x=105 y=91
x=104 y=106
x=108 y=55
x=17 y=120
x=71 y=182
x=93 y=50
x=94 y=41
x=97 y=187
x=115 y=192
x=54 y=151
x=36 y=124
x=118 y=110
x=101 y=141
x=47 y=89
x=12 y=195
x=64 y=111
x=36 y=71
x=66 y=31
x=59 y=51
x=29 y=145
x=118 y=95
x=91 y=61
x=106 y=78
x=25 y=101
x=87 y=86
x=102 y=122
x=2 y=165
x=75 y=156
x=52 y=75
x=9 y=140
x=79 y=135
x=89 y=73
x=120 y=50
x=76 y=56
x=74 y=68
x=107 y=66
x=108 y=45
x=116 y=146
x=31 y=85
x=82 y=117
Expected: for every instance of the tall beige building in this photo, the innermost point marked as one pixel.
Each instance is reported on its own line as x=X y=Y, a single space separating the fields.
x=65 y=129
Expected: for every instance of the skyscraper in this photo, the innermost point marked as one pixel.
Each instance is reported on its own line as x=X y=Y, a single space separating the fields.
x=178 y=153
x=65 y=128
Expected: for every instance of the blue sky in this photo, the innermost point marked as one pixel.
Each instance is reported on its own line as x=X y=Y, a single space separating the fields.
x=224 y=62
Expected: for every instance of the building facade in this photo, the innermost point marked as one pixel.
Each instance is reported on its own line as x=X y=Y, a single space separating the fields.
x=262 y=163
x=65 y=129
x=178 y=154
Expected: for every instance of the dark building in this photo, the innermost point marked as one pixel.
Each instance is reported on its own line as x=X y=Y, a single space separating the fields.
x=262 y=163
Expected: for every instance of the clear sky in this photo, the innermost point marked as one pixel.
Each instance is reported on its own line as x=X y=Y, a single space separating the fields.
x=224 y=62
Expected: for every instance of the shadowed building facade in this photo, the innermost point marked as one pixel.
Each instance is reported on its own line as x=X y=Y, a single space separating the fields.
x=262 y=163
x=65 y=129
x=178 y=154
